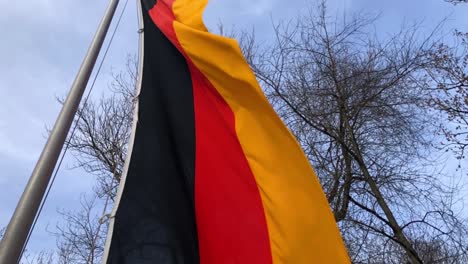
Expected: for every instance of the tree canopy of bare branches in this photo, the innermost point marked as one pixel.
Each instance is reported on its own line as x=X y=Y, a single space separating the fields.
x=356 y=105
x=457 y=1
x=82 y=237
x=99 y=145
x=450 y=92
x=103 y=130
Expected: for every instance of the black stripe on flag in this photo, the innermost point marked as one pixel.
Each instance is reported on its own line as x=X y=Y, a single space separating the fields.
x=155 y=219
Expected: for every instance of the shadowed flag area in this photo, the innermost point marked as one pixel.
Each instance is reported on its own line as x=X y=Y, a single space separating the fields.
x=214 y=175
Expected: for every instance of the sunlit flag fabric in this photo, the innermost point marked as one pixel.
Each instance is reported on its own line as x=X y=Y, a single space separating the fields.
x=214 y=176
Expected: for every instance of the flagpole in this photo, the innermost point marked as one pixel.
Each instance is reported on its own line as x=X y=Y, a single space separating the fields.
x=27 y=208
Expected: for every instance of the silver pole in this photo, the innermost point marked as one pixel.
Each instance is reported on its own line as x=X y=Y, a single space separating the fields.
x=26 y=210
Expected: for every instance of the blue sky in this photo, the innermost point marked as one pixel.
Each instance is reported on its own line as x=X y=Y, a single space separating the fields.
x=42 y=45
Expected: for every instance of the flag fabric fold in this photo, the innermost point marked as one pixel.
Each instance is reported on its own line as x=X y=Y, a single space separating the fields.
x=214 y=175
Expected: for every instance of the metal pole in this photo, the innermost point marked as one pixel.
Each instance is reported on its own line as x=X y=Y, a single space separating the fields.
x=26 y=210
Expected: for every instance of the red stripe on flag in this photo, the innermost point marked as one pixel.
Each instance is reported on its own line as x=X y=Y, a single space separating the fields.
x=230 y=216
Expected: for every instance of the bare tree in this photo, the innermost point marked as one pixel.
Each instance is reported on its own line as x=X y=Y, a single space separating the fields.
x=100 y=148
x=103 y=130
x=457 y=1
x=82 y=237
x=356 y=105
x=433 y=251
x=43 y=257
x=450 y=94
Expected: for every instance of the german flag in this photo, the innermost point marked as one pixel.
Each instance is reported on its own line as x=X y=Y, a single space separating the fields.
x=214 y=175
